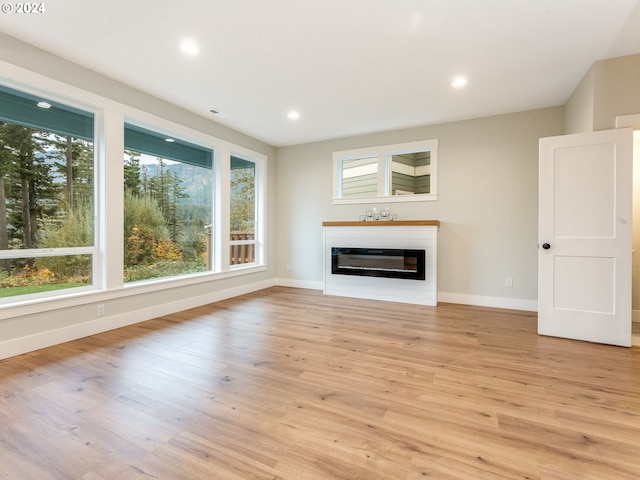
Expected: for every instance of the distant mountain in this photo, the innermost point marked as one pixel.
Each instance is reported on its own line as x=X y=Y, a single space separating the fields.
x=196 y=181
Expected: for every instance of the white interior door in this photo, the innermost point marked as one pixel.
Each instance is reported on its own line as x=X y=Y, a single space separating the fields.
x=585 y=222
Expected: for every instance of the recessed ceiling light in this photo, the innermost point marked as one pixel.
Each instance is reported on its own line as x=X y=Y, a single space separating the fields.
x=459 y=82
x=44 y=105
x=170 y=140
x=189 y=47
x=293 y=115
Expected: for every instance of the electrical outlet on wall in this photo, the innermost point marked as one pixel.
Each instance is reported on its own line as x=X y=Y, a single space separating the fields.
x=508 y=282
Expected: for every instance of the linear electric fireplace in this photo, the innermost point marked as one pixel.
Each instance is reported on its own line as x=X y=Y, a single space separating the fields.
x=379 y=262
x=398 y=249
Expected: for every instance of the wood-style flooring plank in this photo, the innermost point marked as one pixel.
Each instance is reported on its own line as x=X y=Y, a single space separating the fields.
x=289 y=384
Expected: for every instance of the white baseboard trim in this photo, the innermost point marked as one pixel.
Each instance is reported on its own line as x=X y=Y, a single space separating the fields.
x=18 y=346
x=477 y=300
x=290 y=282
x=482 y=301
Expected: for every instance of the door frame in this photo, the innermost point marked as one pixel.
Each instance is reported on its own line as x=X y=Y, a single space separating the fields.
x=633 y=121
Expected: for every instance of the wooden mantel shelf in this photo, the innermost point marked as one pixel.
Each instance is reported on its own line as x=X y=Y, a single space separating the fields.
x=384 y=223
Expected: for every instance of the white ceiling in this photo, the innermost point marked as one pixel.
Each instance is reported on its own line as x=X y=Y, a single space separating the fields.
x=348 y=66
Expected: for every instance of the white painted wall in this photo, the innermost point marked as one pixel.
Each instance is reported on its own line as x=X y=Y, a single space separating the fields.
x=487 y=203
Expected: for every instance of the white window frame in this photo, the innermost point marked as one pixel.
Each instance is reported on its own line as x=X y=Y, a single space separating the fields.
x=260 y=162
x=384 y=154
x=95 y=249
x=179 y=136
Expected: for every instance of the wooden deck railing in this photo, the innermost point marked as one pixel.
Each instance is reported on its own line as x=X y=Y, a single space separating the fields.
x=243 y=253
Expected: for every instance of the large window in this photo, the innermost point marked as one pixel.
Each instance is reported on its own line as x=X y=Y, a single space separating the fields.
x=243 y=211
x=94 y=199
x=168 y=188
x=46 y=196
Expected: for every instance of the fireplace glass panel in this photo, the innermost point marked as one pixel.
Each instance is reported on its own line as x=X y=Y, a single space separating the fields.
x=378 y=262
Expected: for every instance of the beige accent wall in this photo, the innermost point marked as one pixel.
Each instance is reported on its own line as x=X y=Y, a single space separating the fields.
x=609 y=89
x=616 y=90
x=487 y=203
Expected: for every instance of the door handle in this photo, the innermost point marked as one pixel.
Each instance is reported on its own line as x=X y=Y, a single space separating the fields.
x=546 y=246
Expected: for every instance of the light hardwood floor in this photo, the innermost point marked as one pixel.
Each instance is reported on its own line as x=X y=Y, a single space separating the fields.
x=290 y=384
